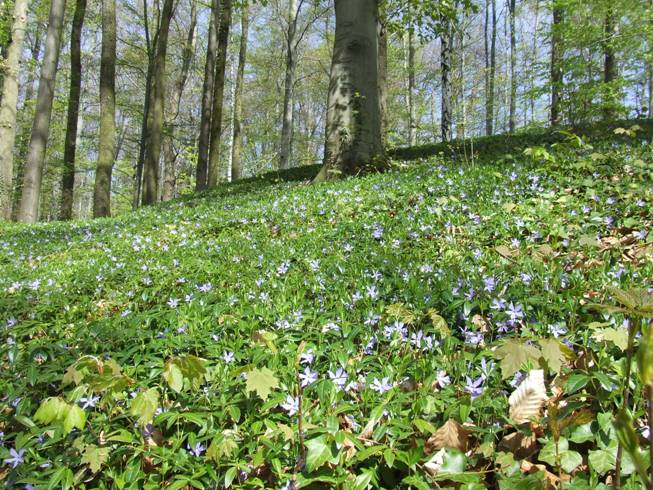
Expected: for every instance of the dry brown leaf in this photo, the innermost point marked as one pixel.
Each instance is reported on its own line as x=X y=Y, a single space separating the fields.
x=527 y=400
x=451 y=435
x=521 y=445
x=481 y=323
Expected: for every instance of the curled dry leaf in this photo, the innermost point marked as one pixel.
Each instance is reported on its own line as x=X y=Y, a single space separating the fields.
x=527 y=400
x=521 y=445
x=451 y=435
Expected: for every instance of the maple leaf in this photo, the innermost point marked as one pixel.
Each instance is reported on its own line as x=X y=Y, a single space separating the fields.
x=555 y=353
x=514 y=355
x=262 y=381
x=95 y=457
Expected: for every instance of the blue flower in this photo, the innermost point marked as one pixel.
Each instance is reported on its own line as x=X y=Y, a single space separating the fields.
x=16 y=457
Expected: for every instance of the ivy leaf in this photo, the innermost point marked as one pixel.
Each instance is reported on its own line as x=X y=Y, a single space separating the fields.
x=262 y=381
x=514 y=355
x=95 y=457
x=75 y=418
x=318 y=452
x=602 y=461
x=144 y=406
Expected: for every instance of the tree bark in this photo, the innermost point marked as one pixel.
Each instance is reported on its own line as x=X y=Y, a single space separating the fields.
x=236 y=146
x=353 y=126
x=218 y=94
x=154 y=133
x=383 y=77
x=610 y=74
x=107 y=146
x=489 y=95
x=412 y=119
x=8 y=107
x=513 y=65
x=169 y=155
x=285 y=151
x=445 y=64
x=70 y=143
x=29 y=203
x=202 y=168
x=556 y=62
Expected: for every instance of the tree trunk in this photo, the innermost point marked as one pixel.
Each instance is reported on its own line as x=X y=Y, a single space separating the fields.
x=169 y=155
x=154 y=134
x=8 y=107
x=202 y=167
x=107 y=147
x=412 y=119
x=445 y=63
x=285 y=151
x=383 y=77
x=489 y=95
x=29 y=203
x=70 y=143
x=236 y=146
x=610 y=102
x=556 y=62
x=513 y=64
x=218 y=94
x=353 y=125
x=461 y=128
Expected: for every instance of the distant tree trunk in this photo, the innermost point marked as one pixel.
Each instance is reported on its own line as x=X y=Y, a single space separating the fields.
x=462 y=127
x=412 y=119
x=353 y=125
x=107 y=146
x=610 y=65
x=556 y=62
x=29 y=203
x=490 y=67
x=285 y=151
x=155 y=118
x=202 y=168
x=445 y=63
x=218 y=94
x=513 y=64
x=236 y=147
x=70 y=143
x=383 y=77
x=169 y=155
x=8 y=107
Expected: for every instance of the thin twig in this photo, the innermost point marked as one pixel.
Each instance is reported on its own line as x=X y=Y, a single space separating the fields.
x=626 y=401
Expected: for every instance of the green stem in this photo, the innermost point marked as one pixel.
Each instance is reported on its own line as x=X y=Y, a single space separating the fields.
x=626 y=400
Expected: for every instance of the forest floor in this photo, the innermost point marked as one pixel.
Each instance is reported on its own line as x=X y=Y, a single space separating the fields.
x=368 y=332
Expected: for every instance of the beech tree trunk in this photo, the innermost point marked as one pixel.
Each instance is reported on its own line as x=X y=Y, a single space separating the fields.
x=445 y=63
x=556 y=63
x=218 y=94
x=383 y=77
x=610 y=65
x=202 y=168
x=8 y=107
x=513 y=65
x=410 y=66
x=490 y=67
x=70 y=143
x=106 y=153
x=155 y=119
x=353 y=126
x=29 y=203
x=169 y=154
x=236 y=146
x=285 y=151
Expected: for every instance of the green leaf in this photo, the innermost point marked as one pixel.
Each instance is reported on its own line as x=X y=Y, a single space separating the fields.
x=618 y=336
x=424 y=426
x=645 y=356
x=95 y=457
x=514 y=355
x=416 y=481
x=262 y=381
x=576 y=382
x=144 y=406
x=363 y=479
x=173 y=376
x=554 y=353
x=570 y=460
x=602 y=461
x=548 y=452
x=454 y=462
x=51 y=409
x=75 y=418
x=318 y=452
x=220 y=447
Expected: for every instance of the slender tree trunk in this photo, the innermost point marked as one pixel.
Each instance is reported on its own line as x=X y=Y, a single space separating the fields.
x=285 y=151
x=70 y=143
x=610 y=65
x=513 y=65
x=8 y=107
x=156 y=113
x=106 y=153
x=29 y=203
x=169 y=155
x=556 y=62
x=201 y=176
x=353 y=127
x=489 y=96
x=445 y=64
x=218 y=94
x=236 y=146
x=462 y=127
x=383 y=76
x=412 y=119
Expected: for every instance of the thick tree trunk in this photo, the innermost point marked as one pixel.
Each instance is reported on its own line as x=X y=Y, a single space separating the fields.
x=610 y=74
x=513 y=65
x=445 y=63
x=236 y=146
x=218 y=94
x=353 y=126
x=169 y=154
x=410 y=66
x=556 y=63
x=154 y=134
x=285 y=150
x=106 y=153
x=29 y=203
x=202 y=167
x=70 y=143
x=8 y=107
x=383 y=77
